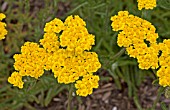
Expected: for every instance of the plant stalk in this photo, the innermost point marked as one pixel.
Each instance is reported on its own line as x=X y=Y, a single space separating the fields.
x=160 y=90
x=70 y=97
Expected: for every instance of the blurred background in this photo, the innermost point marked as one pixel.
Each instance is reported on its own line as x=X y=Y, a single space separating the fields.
x=123 y=86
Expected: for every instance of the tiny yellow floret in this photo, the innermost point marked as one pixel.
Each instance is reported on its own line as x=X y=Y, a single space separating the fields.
x=147 y=4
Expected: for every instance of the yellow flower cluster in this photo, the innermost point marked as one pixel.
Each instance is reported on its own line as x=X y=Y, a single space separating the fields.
x=16 y=80
x=3 y=31
x=164 y=61
x=30 y=62
x=138 y=37
x=75 y=36
x=68 y=67
x=65 y=51
x=147 y=4
x=86 y=85
x=67 y=44
x=50 y=41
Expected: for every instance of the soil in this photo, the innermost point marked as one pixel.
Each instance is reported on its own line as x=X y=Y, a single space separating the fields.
x=108 y=97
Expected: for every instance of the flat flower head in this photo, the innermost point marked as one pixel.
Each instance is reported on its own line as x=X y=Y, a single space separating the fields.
x=50 y=42
x=138 y=37
x=31 y=61
x=164 y=76
x=164 y=59
x=16 y=80
x=71 y=34
x=54 y=26
x=67 y=44
x=3 y=31
x=85 y=86
x=75 y=35
x=65 y=51
x=69 y=67
x=2 y=16
x=146 y=4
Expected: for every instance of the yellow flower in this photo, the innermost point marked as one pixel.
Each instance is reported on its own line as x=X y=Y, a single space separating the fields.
x=147 y=4
x=3 y=31
x=54 y=26
x=65 y=51
x=138 y=37
x=68 y=67
x=75 y=35
x=164 y=61
x=85 y=86
x=2 y=16
x=31 y=61
x=16 y=80
x=68 y=53
x=50 y=42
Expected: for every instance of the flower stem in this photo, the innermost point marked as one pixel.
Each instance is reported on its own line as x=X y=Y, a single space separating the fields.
x=160 y=91
x=70 y=97
x=144 y=14
x=117 y=55
x=114 y=57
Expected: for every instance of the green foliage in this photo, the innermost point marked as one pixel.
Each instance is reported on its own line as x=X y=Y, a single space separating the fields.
x=167 y=92
x=163 y=106
x=41 y=92
x=25 y=21
x=164 y=4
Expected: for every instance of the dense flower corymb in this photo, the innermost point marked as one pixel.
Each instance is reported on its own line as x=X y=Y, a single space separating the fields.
x=86 y=85
x=65 y=51
x=16 y=80
x=30 y=62
x=164 y=60
x=68 y=67
x=75 y=35
x=138 y=37
x=68 y=44
x=3 y=31
x=147 y=4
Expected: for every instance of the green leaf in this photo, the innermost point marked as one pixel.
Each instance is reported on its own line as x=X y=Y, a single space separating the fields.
x=29 y=107
x=116 y=79
x=34 y=98
x=163 y=106
x=167 y=92
x=41 y=98
x=155 y=82
x=164 y=4
x=53 y=92
x=136 y=100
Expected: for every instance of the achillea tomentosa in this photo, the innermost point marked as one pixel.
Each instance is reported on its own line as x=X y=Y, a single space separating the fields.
x=30 y=62
x=72 y=61
x=3 y=31
x=65 y=51
x=138 y=37
x=16 y=80
x=164 y=61
x=147 y=4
